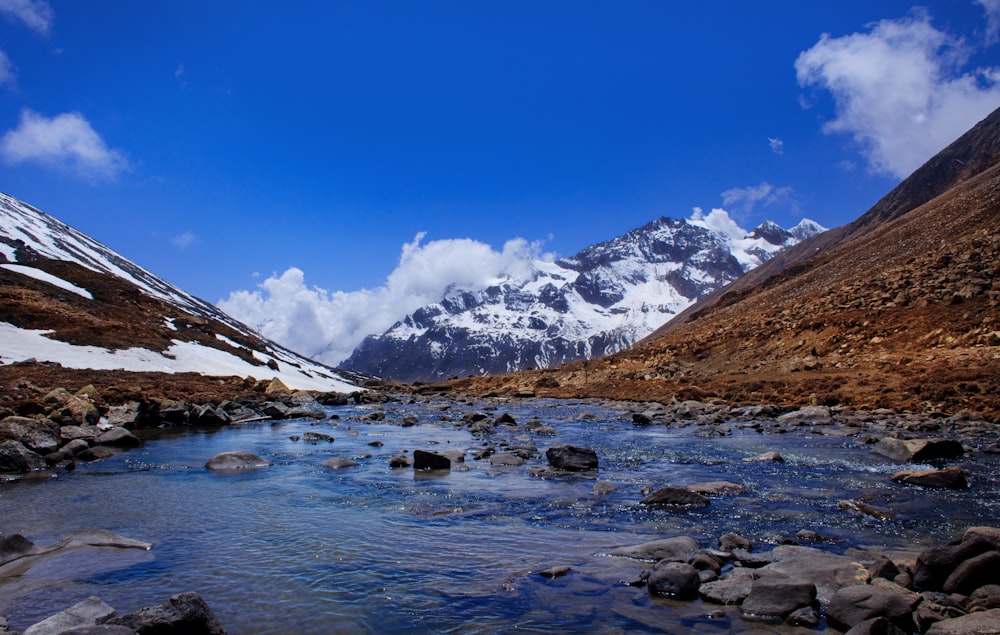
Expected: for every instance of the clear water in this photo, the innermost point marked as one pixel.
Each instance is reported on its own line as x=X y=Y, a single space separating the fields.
x=298 y=548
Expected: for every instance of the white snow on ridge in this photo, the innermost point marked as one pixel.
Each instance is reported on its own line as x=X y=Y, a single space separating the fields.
x=20 y=344
x=45 y=276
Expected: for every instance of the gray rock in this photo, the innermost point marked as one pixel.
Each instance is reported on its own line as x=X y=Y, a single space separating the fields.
x=981 y=623
x=730 y=541
x=936 y=564
x=676 y=549
x=125 y=415
x=316 y=437
x=852 y=605
x=571 y=458
x=506 y=459
x=38 y=436
x=102 y=629
x=183 y=614
x=96 y=453
x=918 y=450
x=603 y=488
x=829 y=572
x=718 y=488
x=14 y=547
x=767 y=457
x=78 y=433
x=400 y=460
x=305 y=413
x=731 y=589
x=675 y=498
x=948 y=478
x=555 y=572
x=339 y=463
x=876 y=626
x=810 y=415
x=276 y=410
x=423 y=460
x=14 y=457
x=90 y=612
x=207 y=415
x=673 y=579
x=119 y=438
x=974 y=573
x=232 y=461
x=772 y=599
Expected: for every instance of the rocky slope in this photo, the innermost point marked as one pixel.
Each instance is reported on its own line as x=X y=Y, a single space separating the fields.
x=600 y=301
x=898 y=309
x=69 y=302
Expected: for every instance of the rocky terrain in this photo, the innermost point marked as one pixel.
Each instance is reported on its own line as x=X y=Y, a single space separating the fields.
x=600 y=301
x=898 y=310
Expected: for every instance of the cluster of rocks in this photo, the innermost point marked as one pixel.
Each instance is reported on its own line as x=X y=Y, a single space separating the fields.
x=182 y=614
x=947 y=590
x=63 y=428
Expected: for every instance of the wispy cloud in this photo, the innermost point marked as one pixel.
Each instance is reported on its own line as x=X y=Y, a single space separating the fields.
x=183 y=241
x=6 y=70
x=66 y=142
x=37 y=15
x=746 y=199
x=329 y=325
x=992 y=9
x=899 y=90
x=777 y=145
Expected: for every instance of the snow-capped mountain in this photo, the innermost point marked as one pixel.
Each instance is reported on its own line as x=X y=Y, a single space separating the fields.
x=71 y=300
x=600 y=301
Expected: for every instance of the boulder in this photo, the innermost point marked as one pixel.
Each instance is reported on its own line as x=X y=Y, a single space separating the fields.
x=14 y=457
x=641 y=419
x=172 y=412
x=852 y=605
x=571 y=458
x=505 y=420
x=984 y=598
x=731 y=589
x=38 y=436
x=935 y=565
x=718 y=488
x=276 y=410
x=126 y=415
x=90 y=612
x=75 y=411
x=505 y=459
x=730 y=541
x=339 y=463
x=207 y=415
x=182 y=614
x=974 y=573
x=556 y=571
x=424 y=460
x=948 y=478
x=400 y=460
x=676 y=549
x=14 y=547
x=674 y=580
x=232 y=461
x=74 y=433
x=810 y=415
x=980 y=623
x=305 y=413
x=876 y=626
x=674 y=498
x=829 y=572
x=119 y=438
x=918 y=450
x=773 y=599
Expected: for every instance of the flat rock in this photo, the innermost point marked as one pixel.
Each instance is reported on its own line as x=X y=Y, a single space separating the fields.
x=810 y=415
x=771 y=600
x=731 y=589
x=555 y=572
x=980 y=623
x=718 y=488
x=90 y=612
x=829 y=572
x=918 y=450
x=852 y=605
x=339 y=463
x=505 y=459
x=675 y=498
x=232 y=461
x=119 y=438
x=947 y=478
x=677 y=549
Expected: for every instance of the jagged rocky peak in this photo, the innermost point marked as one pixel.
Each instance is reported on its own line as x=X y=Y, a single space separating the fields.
x=599 y=301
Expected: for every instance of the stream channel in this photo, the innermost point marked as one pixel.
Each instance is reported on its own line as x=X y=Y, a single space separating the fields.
x=299 y=548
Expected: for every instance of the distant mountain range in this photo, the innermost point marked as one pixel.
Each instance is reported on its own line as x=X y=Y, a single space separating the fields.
x=899 y=309
x=600 y=301
x=69 y=300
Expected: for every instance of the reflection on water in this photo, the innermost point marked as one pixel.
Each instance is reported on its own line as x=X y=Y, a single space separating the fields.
x=298 y=548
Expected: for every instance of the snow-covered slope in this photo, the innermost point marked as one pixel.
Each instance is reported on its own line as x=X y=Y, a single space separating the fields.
x=71 y=300
x=602 y=300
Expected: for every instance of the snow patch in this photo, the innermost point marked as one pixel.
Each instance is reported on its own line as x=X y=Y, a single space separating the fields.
x=45 y=276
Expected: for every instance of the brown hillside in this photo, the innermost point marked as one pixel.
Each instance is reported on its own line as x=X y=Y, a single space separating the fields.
x=898 y=309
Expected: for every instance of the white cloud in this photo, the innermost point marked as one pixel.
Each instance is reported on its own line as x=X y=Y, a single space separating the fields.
x=328 y=326
x=718 y=220
x=899 y=90
x=777 y=145
x=992 y=10
x=183 y=241
x=6 y=69
x=35 y=14
x=747 y=198
x=65 y=141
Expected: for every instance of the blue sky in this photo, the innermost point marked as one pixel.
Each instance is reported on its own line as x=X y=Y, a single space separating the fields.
x=221 y=143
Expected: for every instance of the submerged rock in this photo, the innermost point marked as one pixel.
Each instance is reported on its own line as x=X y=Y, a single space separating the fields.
x=90 y=612
x=767 y=457
x=948 y=478
x=231 y=461
x=677 y=549
x=338 y=463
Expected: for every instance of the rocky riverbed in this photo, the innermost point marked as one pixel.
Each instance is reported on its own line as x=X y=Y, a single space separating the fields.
x=588 y=515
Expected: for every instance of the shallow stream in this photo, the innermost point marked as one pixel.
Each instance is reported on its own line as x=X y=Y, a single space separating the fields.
x=299 y=548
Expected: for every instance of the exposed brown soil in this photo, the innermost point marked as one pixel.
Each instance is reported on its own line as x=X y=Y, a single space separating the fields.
x=898 y=310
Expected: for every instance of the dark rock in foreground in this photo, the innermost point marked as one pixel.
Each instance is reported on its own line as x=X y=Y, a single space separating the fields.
x=423 y=460
x=182 y=614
